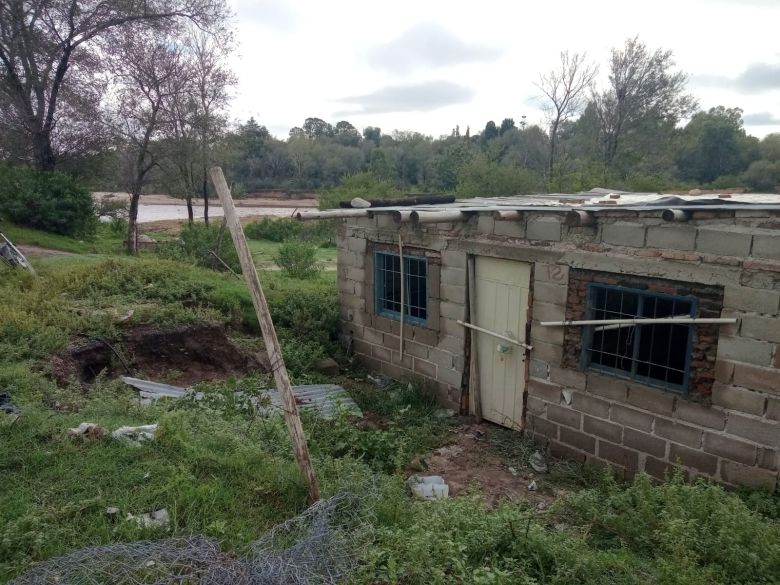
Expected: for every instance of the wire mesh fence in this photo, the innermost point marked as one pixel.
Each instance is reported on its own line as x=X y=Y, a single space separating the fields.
x=319 y=547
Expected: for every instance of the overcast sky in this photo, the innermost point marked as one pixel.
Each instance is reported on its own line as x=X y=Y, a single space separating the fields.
x=428 y=65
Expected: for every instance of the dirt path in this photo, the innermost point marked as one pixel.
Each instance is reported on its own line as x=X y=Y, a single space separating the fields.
x=37 y=251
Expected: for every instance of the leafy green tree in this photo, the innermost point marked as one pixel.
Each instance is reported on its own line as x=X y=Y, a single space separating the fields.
x=363 y=185
x=314 y=128
x=481 y=177
x=506 y=124
x=448 y=164
x=379 y=166
x=764 y=175
x=490 y=132
x=372 y=134
x=346 y=134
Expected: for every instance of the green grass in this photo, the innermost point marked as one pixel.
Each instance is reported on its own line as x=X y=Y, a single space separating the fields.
x=106 y=241
x=264 y=252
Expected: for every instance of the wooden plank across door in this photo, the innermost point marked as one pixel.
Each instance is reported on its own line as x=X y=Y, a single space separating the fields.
x=502 y=292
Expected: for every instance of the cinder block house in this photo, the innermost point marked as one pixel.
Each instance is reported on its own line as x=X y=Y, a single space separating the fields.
x=639 y=330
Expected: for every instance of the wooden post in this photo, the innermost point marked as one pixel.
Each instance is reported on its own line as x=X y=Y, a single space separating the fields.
x=474 y=392
x=269 y=335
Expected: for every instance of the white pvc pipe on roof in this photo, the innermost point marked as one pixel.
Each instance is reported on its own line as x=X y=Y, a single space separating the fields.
x=660 y=321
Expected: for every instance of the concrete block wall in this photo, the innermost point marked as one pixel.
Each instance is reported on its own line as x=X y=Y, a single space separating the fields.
x=731 y=432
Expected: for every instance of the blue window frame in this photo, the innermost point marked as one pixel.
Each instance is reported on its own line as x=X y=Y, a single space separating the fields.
x=387 y=287
x=657 y=355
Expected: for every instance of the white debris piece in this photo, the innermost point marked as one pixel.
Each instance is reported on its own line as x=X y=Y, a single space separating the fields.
x=532 y=487
x=135 y=435
x=428 y=487
x=86 y=428
x=156 y=519
x=450 y=451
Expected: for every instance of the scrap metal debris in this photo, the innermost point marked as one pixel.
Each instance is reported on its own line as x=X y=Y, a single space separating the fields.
x=325 y=399
x=428 y=487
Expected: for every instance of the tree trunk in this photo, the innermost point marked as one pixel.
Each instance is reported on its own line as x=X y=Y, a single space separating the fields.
x=45 y=159
x=190 y=213
x=132 y=222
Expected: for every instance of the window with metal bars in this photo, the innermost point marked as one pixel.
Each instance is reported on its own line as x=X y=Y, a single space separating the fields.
x=387 y=287
x=654 y=354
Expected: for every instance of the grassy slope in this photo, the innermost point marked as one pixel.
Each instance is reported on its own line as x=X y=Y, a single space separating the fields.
x=221 y=471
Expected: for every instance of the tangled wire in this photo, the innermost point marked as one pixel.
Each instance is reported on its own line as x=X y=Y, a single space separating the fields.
x=318 y=547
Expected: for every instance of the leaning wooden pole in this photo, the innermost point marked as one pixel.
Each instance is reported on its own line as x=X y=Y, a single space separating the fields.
x=269 y=335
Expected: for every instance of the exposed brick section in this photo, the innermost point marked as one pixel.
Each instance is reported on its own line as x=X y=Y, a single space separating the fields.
x=578 y=440
x=564 y=416
x=698 y=460
x=644 y=442
x=729 y=448
x=705 y=342
x=631 y=417
x=603 y=429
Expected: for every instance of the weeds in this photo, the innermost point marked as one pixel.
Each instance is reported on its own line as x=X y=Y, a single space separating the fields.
x=297 y=259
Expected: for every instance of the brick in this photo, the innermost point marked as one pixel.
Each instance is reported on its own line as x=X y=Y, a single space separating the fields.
x=509 y=229
x=578 y=440
x=730 y=448
x=741 y=349
x=453 y=293
x=373 y=336
x=430 y=337
x=753 y=477
x=453 y=259
x=544 y=228
x=452 y=275
x=357 y=245
x=653 y=400
x=425 y=368
x=449 y=343
x=551 y=293
x=705 y=416
x=677 y=432
x=763 y=433
x=743 y=298
x=610 y=388
x=538 y=369
x=659 y=469
x=769 y=458
x=485 y=223
x=443 y=359
x=755 y=378
x=394 y=372
x=724 y=371
x=540 y=426
x=632 y=418
x=361 y=347
x=671 y=237
x=765 y=328
x=564 y=415
x=450 y=376
x=404 y=361
x=563 y=451
x=382 y=353
x=643 y=442
x=554 y=273
x=546 y=334
x=601 y=428
x=452 y=311
x=723 y=242
x=699 y=460
x=766 y=246
x=450 y=327
x=736 y=398
x=544 y=390
x=568 y=378
x=619 y=455
x=623 y=233
x=536 y=405
x=590 y=404
x=773 y=409
x=548 y=352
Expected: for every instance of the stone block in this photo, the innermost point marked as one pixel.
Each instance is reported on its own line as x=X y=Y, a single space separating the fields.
x=730 y=448
x=758 y=431
x=674 y=237
x=441 y=358
x=453 y=259
x=564 y=415
x=357 y=245
x=452 y=311
x=537 y=425
x=553 y=273
x=425 y=368
x=618 y=455
x=509 y=229
x=610 y=388
x=485 y=223
x=564 y=451
x=450 y=376
x=551 y=292
x=415 y=349
x=544 y=228
x=773 y=409
x=698 y=460
x=601 y=428
x=577 y=440
x=546 y=334
x=766 y=246
x=430 y=337
x=755 y=378
x=591 y=405
x=769 y=458
x=544 y=390
x=764 y=328
x=536 y=405
x=679 y=433
x=744 y=298
x=659 y=469
x=723 y=242
x=623 y=233
x=373 y=336
x=742 y=349
x=753 y=477
x=382 y=353
x=454 y=345
x=724 y=371
x=568 y=378
x=706 y=416
x=548 y=352
x=539 y=369
x=643 y=442
x=453 y=293
x=631 y=418
x=735 y=398
x=452 y=275
x=656 y=401
x=543 y=311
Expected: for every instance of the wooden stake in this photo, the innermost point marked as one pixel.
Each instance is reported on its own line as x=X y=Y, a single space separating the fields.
x=474 y=359
x=269 y=335
x=403 y=288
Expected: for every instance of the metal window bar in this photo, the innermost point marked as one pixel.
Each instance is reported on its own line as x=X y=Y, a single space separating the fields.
x=388 y=286
x=656 y=354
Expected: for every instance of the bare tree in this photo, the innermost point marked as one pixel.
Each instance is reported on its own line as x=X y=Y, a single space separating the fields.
x=48 y=50
x=565 y=89
x=642 y=87
x=148 y=73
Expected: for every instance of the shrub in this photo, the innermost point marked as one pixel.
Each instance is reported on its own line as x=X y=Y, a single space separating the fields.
x=196 y=243
x=297 y=259
x=47 y=201
x=364 y=185
x=273 y=230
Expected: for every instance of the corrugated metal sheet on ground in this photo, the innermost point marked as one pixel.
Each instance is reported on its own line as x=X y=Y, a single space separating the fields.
x=325 y=399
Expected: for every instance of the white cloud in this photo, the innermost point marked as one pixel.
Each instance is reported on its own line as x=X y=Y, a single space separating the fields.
x=421 y=97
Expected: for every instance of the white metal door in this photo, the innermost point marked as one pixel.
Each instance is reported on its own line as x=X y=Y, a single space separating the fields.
x=502 y=288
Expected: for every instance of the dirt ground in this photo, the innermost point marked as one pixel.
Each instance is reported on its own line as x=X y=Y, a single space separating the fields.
x=471 y=461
